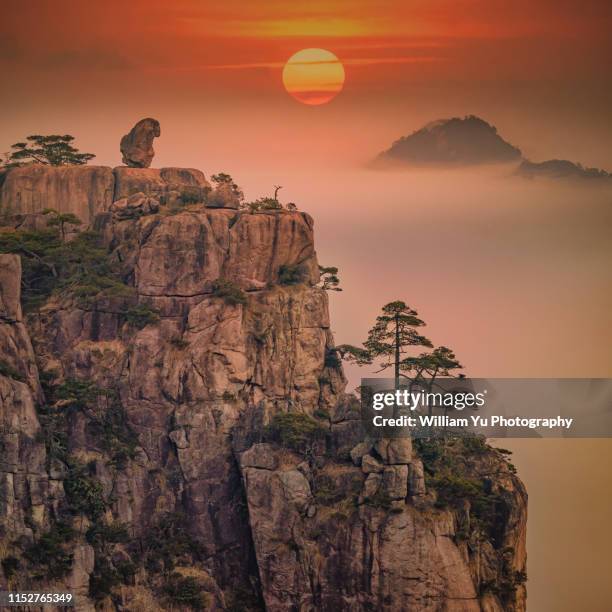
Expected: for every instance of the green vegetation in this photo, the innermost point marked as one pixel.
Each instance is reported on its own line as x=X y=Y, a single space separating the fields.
x=106 y=419
x=77 y=393
x=330 y=281
x=109 y=570
x=393 y=334
x=292 y=274
x=380 y=500
x=84 y=492
x=321 y=413
x=169 y=541
x=449 y=471
x=225 y=179
x=107 y=533
x=50 y=556
x=61 y=220
x=179 y=343
x=229 y=292
x=52 y=150
x=104 y=578
x=327 y=492
x=185 y=591
x=261 y=204
x=296 y=431
x=141 y=315
x=331 y=359
x=508 y=579
x=80 y=267
x=10 y=566
x=191 y=195
x=10 y=372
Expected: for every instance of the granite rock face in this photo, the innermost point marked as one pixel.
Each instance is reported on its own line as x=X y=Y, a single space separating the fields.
x=166 y=184
x=88 y=190
x=340 y=539
x=137 y=145
x=81 y=190
x=24 y=482
x=177 y=449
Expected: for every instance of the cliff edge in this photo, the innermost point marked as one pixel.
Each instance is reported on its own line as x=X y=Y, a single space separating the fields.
x=176 y=434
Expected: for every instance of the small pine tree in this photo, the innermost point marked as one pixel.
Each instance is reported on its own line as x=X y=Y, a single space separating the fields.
x=330 y=280
x=61 y=220
x=393 y=333
x=53 y=150
x=225 y=179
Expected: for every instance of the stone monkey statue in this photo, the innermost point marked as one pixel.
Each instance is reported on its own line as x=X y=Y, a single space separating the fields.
x=137 y=145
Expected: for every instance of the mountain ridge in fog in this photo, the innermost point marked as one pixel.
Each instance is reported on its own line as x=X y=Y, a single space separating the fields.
x=469 y=140
x=560 y=168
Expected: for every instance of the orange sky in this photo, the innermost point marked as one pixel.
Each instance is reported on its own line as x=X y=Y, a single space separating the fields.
x=97 y=67
x=184 y=38
x=513 y=275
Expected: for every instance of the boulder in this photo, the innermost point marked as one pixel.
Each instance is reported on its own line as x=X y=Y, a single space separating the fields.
x=136 y=205
x=371 y=485
x=394 y=451
x=81 y=190
x=296 y=488
x=259 y=456
x=358 y=452
x=10 y=288
x=395 y=481
x=370 y=465
x=416 y=486
x=172 y=186
x=137 y=145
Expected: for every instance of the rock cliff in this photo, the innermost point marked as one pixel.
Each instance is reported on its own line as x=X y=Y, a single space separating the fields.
x=183 y=439
x=88 y=190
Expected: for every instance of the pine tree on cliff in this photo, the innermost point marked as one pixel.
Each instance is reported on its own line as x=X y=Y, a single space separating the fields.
x=53 y=150
x=394 y=332
x=392 y=336
x=61 y=221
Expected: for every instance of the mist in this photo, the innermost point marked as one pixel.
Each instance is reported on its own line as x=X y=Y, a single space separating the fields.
x=514 y=276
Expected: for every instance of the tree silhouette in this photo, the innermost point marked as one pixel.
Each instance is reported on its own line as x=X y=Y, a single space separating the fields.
x=53 y=150
x=389 y=341
x=390 y=338
x=222 y=178
x=61 y=220
x=329 y=278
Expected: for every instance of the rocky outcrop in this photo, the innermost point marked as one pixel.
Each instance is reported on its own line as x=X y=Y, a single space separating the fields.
x=168 y=185
x=136 y=205
x=88 y=190
x=137 y=145
x=154 y=441
x=332 y=536
x=16 y=354
x=182 y=255
x=81 y=190
x=25 y=487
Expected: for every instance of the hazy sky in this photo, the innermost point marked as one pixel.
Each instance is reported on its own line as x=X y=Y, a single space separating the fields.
x=211 y=73
x=514 y=275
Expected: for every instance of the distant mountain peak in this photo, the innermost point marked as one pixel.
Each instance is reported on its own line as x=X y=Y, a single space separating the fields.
x=560 y=168
x=462 y=141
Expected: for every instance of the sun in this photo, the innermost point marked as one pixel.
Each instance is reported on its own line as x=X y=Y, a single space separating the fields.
x=313 y=76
